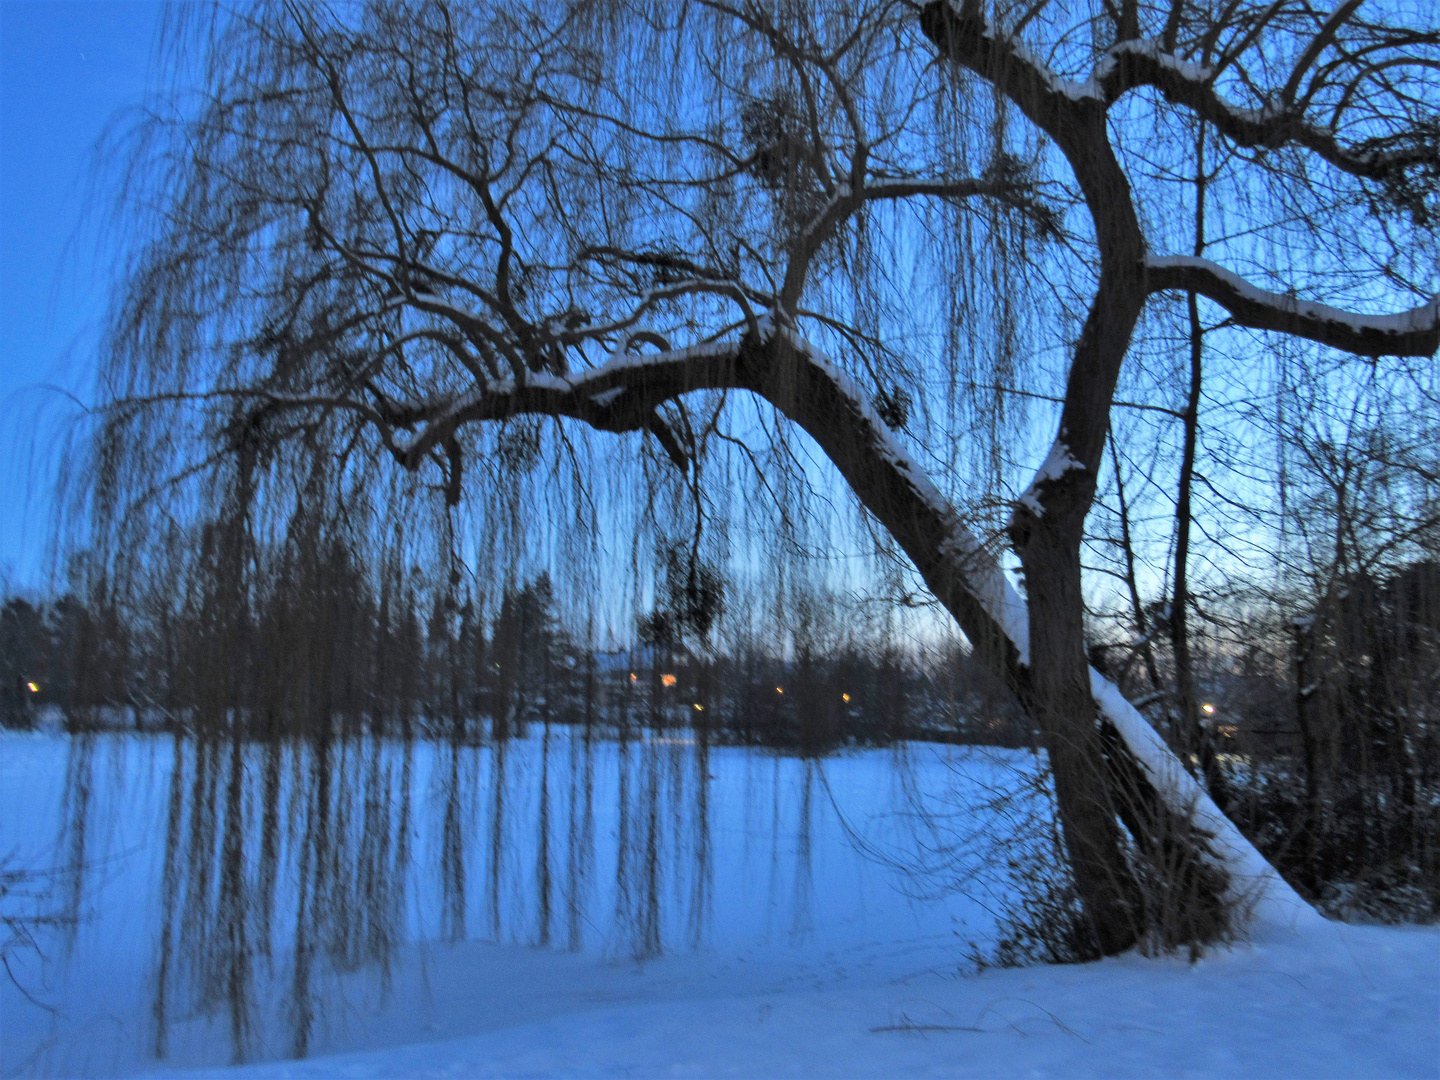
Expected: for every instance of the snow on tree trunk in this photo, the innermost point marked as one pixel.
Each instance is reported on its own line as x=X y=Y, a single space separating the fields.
x=815 y=394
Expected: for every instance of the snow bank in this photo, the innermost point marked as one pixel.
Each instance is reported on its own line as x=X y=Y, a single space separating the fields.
x=1330 y=1002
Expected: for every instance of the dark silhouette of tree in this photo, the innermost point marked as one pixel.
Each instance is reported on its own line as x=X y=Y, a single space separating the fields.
x=24 y=650
x=470 y=243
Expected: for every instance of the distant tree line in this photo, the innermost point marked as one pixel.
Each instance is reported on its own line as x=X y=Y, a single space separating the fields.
x=1324 y=718
x=335 y=655
x=1327 y=722
x=1324 y=714
x=1367 y=717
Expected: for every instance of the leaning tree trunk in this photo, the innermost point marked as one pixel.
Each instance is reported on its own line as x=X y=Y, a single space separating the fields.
x=1105 y=769
x=1049 y=520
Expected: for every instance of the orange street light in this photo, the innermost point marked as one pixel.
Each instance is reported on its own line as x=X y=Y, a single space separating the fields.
x=778 y=690
x=845 y=698
x=34 y=687
x=667 y=680
x=1208 y=709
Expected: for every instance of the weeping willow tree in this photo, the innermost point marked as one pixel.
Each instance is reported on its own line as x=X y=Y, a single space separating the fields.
x=569 y=284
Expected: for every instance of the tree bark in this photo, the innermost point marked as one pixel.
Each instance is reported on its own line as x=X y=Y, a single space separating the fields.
x=1048 y=524
x=1066 y=712
x=1097 y=780
x=1307 y=682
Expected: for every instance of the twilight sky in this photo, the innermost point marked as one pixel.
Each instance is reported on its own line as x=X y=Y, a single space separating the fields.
x=67 y=70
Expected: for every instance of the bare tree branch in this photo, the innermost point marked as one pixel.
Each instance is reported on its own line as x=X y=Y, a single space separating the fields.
x=1410 y=333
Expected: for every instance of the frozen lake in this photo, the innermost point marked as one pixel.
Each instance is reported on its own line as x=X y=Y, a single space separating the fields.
x=219 y=901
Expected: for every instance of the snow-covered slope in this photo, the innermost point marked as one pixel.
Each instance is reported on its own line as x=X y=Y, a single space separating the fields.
x=1327 y=1001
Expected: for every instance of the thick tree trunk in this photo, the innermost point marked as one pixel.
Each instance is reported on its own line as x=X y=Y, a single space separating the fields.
x=1062 y=705
x=1098 y=780
x=1049 y=521
x=1047 y=529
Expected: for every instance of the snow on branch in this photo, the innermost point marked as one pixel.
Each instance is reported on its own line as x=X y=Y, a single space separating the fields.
x=1056 y=464
x=979 y=573
x=1132 y=64
x=1410 y=333
x=963 y=32
x=620 y=395
x=1255 y=886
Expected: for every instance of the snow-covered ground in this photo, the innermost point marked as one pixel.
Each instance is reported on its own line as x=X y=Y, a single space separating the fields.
x=1334 y=1002
x=783 y=948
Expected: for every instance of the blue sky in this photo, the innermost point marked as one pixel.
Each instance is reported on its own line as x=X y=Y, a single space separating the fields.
x=67 y=70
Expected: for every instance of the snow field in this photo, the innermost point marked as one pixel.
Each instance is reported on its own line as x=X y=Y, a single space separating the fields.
x=1328 y=1002
x=797 y=955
